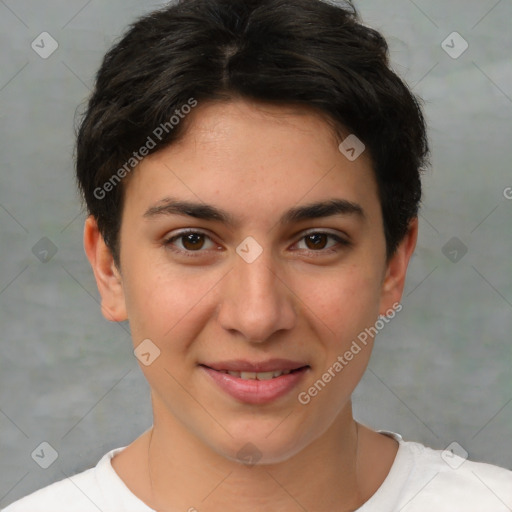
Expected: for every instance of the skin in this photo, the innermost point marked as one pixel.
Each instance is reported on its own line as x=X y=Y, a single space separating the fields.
x=297 y=300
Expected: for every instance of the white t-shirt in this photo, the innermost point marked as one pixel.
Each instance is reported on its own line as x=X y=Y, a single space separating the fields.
x=420 y=480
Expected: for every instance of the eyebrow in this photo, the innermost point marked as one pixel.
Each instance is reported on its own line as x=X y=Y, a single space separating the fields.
x=329 y=208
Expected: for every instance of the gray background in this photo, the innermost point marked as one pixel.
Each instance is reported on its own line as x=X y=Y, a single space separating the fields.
x=441 y=370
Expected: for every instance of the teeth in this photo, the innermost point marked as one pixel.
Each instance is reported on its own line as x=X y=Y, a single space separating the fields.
x=258 y=375
x=266 y=375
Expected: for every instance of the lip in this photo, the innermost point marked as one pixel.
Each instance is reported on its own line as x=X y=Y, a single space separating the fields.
x=256 y=392
x=242 y=365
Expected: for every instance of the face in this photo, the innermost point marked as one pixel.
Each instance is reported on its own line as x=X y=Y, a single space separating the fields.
x=253 y=246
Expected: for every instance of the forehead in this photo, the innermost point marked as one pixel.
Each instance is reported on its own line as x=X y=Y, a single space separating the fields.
x=242 y=155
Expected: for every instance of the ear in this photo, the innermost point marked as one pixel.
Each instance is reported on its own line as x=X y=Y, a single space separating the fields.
x=394 y=279
x=108 y=277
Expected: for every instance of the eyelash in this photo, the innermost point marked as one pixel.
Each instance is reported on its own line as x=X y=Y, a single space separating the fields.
x=194 y=254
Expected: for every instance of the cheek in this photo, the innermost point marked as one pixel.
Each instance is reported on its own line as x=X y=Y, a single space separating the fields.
x=167 y=305
x=345 y=301
x=343 y=308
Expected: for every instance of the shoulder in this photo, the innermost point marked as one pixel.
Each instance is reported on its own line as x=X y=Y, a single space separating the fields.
x=89 y=491
x=78 y=490
x=441 y=481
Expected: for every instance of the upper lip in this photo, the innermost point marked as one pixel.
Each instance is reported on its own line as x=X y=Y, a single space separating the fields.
x=241 y=365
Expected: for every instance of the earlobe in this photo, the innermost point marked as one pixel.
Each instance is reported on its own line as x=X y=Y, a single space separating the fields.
x=108 y=277
x=394 y=280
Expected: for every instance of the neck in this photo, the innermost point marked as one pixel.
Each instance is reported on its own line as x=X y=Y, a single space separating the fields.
x=326 y=475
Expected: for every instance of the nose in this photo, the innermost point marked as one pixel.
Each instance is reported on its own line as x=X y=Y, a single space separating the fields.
x=256 y=302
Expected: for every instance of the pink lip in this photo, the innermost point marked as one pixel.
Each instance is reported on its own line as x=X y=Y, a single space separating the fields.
x=242 y=365
x=256 y=392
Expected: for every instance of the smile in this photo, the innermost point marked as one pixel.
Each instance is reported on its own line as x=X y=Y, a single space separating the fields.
x=257 y=375
x=256 y=383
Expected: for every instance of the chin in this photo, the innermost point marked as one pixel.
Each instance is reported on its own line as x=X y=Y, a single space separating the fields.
x=262 y=446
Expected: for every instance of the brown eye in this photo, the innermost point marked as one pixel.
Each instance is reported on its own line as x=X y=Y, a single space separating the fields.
x=193 y=241
x=322 y=243
x=316 y=241
x=190 y=242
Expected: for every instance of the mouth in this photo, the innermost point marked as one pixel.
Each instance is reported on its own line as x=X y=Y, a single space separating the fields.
x=259 y=375
x=256 y=383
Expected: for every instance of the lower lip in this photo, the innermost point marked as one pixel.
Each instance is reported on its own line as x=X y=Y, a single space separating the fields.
x=256 y=391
